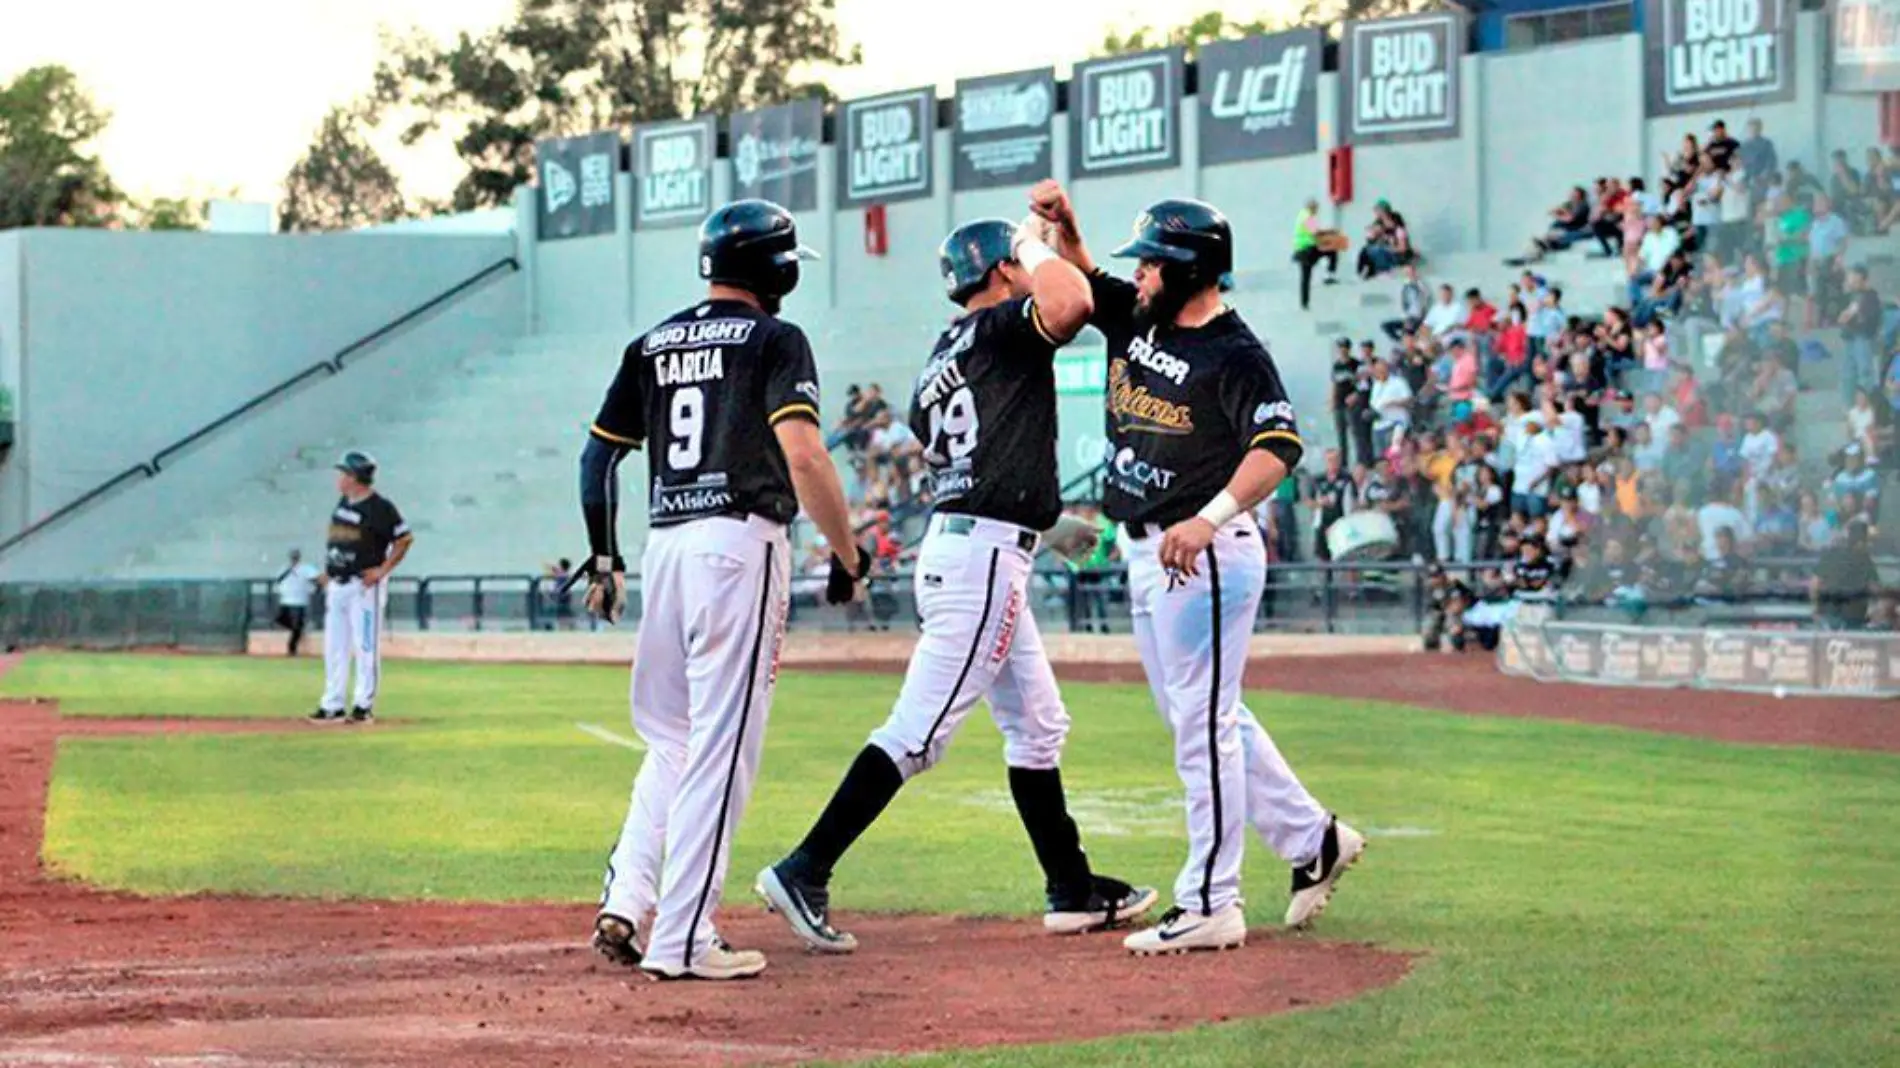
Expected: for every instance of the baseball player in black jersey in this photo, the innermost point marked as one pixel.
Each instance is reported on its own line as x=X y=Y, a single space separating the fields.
x=1200 y=431
x=367 y=539
x=724 y=395
x=985 y=409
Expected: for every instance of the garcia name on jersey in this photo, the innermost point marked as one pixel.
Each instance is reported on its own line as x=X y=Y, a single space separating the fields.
x=985 y=410
x=709 y=383
x=1184 y=407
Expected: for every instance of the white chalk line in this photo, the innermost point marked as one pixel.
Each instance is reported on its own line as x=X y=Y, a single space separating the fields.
x=611 y=737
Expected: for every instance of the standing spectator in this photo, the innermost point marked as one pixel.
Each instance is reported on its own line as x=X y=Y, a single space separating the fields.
x=1717 y=515
x=1660 y=243
x=1705 y=202
x=1547 y=322
x=560 y=600
x=1860 y=324
x=1462 y=383
x=1647 y=450
x=1659 y=415
x=1330 y=497
x=1863 y=423
x=1392 y=405
x=1413 y=303
x=1721 y=148
x=1511 y=361
x=1737 y=212
x=1531 y=474
x=1446 y=315
x=1849 y=194
x=1759 y=161
x=1307 y=253
x=1827 y=258
x=1844 y=579
x=1345 y=392
x=295 y=584
x=1789 y=220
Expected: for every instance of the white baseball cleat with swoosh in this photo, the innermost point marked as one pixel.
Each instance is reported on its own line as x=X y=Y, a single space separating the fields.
x=1181 y=931
x=1313 y=882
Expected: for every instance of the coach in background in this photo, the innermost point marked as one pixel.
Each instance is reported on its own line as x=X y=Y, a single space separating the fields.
x=368 y=538
x=294 y=587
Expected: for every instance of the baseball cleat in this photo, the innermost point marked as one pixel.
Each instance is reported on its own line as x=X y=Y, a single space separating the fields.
x=717 y=961
x=359 y=714
x=1313 y=883
x=1109 y=903
x=806 y=908
x=617 y=939
x=1181 y=931
x=324 y=715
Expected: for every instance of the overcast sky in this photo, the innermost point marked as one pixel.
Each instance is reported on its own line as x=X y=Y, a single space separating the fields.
x=211 y=95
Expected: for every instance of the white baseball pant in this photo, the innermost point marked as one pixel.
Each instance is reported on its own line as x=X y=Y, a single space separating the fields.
x=715 y=594
x=979 y=641
x=352 y=631
x=1192 y=634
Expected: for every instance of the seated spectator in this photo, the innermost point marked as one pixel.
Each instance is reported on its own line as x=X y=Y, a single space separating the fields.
x=1844 y=579
x=1548 y=322
x=1782 y=480
x=1665 y=290
x=1480 y=316
x=1659 y=243
x=1445 y=315
x=1569 y=224
x=1683 y=465
x=1723 y=576
x=1779 y=347
x=1789 y=220
x=1861 y=423
x=1655 y=349
x=1857 y=481
x=1777 y=527
x=1883 y=187
x=1720 y=514
x=1659 y=415
x=1388 y=242
x=1848 y=193
x=1759 y=446
x=1444 y=618
x=1761 y=317
x=1679 y=169
x=1462 y=384
x=1725 y=454
x=894 y=451
x=1606 y=220
x=1758 y=157
x=1646 y=450
x=1413 y=303
x=1816 y=525
x=1741 y=291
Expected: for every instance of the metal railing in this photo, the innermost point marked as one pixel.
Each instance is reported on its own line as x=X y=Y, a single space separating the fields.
x=327 y=367
x=1385 y=597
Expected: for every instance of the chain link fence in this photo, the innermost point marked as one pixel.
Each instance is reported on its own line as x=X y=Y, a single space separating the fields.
x=200 y=615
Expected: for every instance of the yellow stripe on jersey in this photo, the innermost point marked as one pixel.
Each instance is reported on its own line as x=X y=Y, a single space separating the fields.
x=610 y=436
x=793 y=409
x=1035 y=320
x=1265 y=435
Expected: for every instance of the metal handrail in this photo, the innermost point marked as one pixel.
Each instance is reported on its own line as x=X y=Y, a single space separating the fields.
x=330 y=366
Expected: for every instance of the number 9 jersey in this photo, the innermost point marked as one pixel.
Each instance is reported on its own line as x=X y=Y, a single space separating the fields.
x=985 y=410
x=707 y=385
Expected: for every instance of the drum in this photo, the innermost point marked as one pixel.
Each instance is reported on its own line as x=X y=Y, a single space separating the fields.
x=1362 y=536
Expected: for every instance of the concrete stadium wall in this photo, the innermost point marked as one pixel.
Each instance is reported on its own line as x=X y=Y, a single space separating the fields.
x=374 y=386
x=133 y=340
x=1533 y=124
x=12 y=372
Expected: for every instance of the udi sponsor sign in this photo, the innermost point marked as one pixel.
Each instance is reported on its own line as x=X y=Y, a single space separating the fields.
x=884 y=147
x=1124 y=114
x=1259 y=97
x=1399 y=78
x=672 y=164
x=1706 y=54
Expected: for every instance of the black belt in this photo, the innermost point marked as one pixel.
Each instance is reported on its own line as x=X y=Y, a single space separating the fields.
x=1140 y=530
x=965 y=524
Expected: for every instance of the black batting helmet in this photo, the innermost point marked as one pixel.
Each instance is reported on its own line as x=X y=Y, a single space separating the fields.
x=971 y=252
x=360 y=466
x=753 y=245
x=1190 y=238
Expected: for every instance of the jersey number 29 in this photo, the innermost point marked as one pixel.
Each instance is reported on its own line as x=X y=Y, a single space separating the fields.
x=687 y=421
x=953 y=425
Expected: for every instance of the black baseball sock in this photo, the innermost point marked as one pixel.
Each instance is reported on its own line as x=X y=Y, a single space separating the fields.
x=1045 y=814
x=867 y=788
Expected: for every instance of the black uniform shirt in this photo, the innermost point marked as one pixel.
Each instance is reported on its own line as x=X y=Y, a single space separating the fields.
x=1345 y=379
x=985 y=410
x=708 y=384
x=361 y=533
x=1184 y=407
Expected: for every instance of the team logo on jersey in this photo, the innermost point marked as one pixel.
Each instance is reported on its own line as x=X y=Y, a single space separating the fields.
x=809 y=389
x=1173 y=368
x=1006 y=633
x=1266 y=413
x=1136 y=411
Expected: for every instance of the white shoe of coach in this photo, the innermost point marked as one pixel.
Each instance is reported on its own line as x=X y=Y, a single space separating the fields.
x=1181 y=931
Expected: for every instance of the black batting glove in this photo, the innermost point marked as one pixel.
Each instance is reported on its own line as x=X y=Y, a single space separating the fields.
x=841 y=586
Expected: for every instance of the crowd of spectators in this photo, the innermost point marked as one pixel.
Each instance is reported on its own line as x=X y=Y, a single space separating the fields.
x=1646 y=454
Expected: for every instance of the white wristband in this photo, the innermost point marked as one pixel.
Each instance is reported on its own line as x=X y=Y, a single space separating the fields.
x=1032 y=253
x=1219 y=510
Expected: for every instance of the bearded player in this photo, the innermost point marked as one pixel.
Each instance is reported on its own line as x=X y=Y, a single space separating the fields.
x=985 y=409
x=1195 y=402
x=725 y=395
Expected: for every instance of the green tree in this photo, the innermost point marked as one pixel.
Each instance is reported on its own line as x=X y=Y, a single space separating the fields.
x=341 y=182
x=564 y=67
x=173 y=213
x=49 y=175
x=1215 y=25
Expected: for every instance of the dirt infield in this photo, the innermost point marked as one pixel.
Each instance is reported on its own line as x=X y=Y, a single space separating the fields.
x=106 y=979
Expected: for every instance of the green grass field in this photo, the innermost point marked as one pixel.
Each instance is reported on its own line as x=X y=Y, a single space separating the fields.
x=1581 y=895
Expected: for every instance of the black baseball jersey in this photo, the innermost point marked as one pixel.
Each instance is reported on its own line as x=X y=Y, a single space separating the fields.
x=1335 y=494
x=1345 y=379
x=1184 y=407
x=707 y=385
x=361 y=533
x=985 y=410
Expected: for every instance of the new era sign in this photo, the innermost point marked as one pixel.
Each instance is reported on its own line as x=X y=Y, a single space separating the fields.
x=1704 y=54
x=884 y=145
x=1124 y=114
x=672 y=164
x=576 y=185
x=1259 y=97
x=1004 y=129
x=1399 y=79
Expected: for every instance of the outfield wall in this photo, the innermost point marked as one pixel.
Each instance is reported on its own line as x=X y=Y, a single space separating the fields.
x=127 y=341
